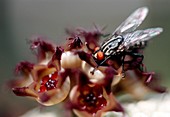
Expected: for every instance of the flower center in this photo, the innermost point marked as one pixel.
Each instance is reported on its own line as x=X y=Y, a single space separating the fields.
x=91 y=99
x=49 y=82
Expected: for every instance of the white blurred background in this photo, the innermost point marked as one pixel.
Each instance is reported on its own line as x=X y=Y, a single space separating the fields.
x=20 y=19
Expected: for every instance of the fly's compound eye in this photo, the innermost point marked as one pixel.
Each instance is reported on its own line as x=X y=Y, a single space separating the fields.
x=99 y=55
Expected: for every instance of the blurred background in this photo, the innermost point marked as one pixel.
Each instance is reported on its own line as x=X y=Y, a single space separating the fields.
x=20 y=19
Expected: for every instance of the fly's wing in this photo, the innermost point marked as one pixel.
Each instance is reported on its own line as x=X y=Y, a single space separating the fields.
x=132 y=22
x=131 y=39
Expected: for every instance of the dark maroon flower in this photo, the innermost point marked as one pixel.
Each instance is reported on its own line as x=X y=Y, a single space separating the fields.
x=93 y=99
x=45 y=81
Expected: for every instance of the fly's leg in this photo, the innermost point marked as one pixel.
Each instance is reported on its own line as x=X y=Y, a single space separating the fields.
x=136 y=61
x=123 y=63
x=92 y=72
x=149 y=76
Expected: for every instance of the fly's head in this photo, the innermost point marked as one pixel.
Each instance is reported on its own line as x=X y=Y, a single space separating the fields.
x=98 y=54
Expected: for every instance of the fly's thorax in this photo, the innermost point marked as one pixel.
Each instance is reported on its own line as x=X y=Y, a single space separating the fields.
x=111 y=46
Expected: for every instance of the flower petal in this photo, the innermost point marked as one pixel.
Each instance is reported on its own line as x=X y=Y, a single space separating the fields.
x=70 y=60
x=24 y=67
x=24 y=91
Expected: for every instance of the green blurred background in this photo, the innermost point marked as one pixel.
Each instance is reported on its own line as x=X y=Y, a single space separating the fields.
x=20 y=19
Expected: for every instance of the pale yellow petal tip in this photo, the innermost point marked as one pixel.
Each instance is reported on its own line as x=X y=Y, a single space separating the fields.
x=70 y=60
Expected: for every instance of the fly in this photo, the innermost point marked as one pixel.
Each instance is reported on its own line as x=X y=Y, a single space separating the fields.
x=126 y=41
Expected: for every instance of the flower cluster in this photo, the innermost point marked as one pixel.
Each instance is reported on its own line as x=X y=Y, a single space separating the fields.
x=68 y=73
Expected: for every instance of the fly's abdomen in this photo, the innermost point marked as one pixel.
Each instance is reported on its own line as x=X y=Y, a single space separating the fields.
x=139 y=45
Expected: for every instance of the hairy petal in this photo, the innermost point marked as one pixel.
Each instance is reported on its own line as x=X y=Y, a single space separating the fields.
x=24 y=91
x=42 y=47
x=75 y=43
x=24 y=67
